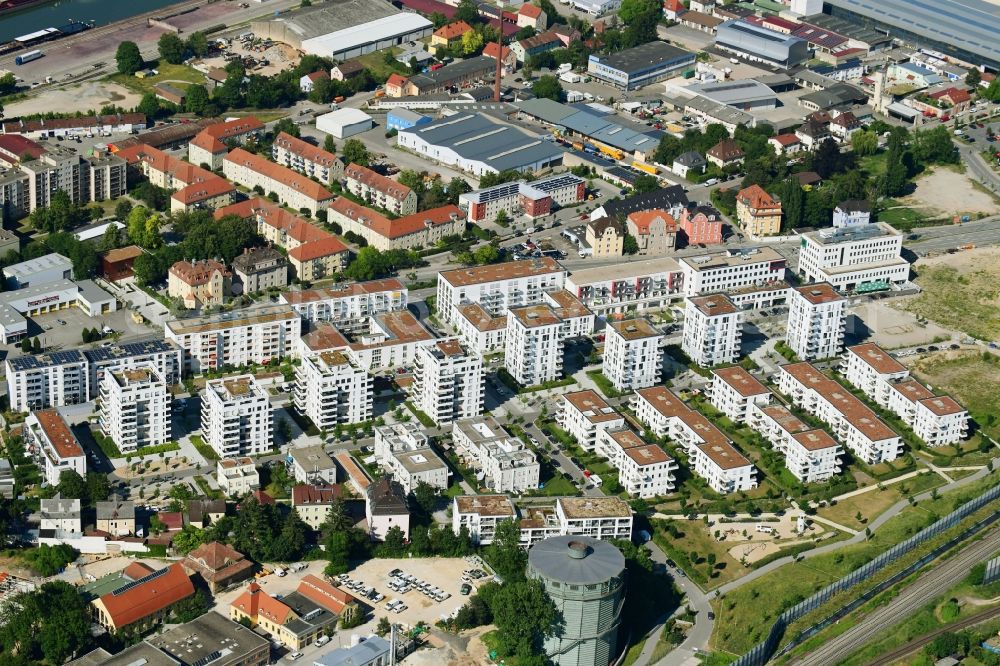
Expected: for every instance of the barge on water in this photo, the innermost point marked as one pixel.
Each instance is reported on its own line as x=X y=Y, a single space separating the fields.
x=45 y=35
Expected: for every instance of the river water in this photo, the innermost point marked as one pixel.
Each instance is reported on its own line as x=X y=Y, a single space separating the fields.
x=59 y=12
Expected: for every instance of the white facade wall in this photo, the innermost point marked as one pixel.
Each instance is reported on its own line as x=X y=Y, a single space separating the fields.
x=639 y=478
x=729 y=400
x=874 y=383
x=533 y=354
x=135 y=409
x=815 y=329
x=237 y=476
x=585 y=425
x=241 y=342
x=351 y=309
x=332 y=389
x=711 y=340
x=847 y=260
x=448 y=386
x=236 y=417
x=723 y=480
x=632 y=362
x=814 y=465
x=54 y=385
x=497 y=295
x=728 y=275
x=54 y=459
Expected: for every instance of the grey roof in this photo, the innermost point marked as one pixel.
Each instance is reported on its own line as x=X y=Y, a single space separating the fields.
x=363 y=653
x=841 y=93
x=91 y=293
x=454 y=72
x=208 y=639
x=854 y=31
x=115 y=510
x=257 y=257
x=545 y=109
x=644 y=57
x=322 y=19
x=666 y=198
x=556 y=559
x=26 y=269
x=690 y=159
x=750 y=38
x=972 y=25
x=60 y=507
x=476 y=137
x=387 y=498
x=588 y=122
x=721 y=112
x=734 y=93
x=406 y=114
x=312 y=458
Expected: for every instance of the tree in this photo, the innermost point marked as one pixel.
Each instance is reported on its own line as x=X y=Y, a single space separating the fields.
x=122 y=209
x=8 y=83
x=189 y=538
x=425 y=495
x=26 y=345
x=505 y=554
x=355 y=152
x=472 y=42
x=329 y=145
x=338 y=550
x=793 y=202
x=51 y=623
x=973 y=78
x=171 y=48
x=383 y=627
x=524 y=615
x=146 y=270
x=864 y=142
x=631 y=10
x=547 y=86
x=190 y=608
x=487 y=254
x=149 y=105
x=111 y=239
x=629 y=244
x=197 y=99
x=197 y=44
x=645 y=183
x=98 y=486
x=394 y=544
x=129 y=58
x=467 y=11
x=72 y=485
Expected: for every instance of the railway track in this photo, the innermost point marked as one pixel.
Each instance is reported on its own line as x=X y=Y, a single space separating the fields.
x=931 y=584
x=917 y=643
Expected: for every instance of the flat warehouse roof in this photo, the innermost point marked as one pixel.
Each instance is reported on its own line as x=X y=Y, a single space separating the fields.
x=643 y=57
x=972 y=25
x=334 y=16
x=366 y=33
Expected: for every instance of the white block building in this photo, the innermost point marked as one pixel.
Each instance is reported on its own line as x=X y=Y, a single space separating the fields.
x=480 y=515
x=237 y=476
x=50 y=441
x=135 y=408
x=331 y=389
x=816 y=321
x=731 y=270
x=734 y=391
x=584 y=414
x=448 y=381
x=852 y=256
x=535 y=334
x=313 y=465
x=503 y=463
x=872 y=369
x=644 y=469
x=597 y=517
x=812 y=455
x=850 y=420
x=713 y=330
x=633 y=354
x=47 y=380
x=239 y=338
x=236 y=417
x=348 y=305
x=498 y=287
x=711 y=455
x=403 y=450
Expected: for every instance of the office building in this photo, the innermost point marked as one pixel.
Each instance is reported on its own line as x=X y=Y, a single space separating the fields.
x=503 y=462
x=448 y=381
x=850 y=420
x=583 y=414
x=734 y=392
x=135 y=409
x=254 y=336
x=633 y=354
x=535 y=199
x=49 y=439
x=640 y=66
x=816 y=321
x=731 y=270
x=405 y=452
x=332 y=389
x=628 y=286
x=857 y=257
x=236 y=417
x=713 y=330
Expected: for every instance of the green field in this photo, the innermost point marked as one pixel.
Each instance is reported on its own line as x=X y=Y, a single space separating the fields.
x=872 y=503
x=180 y=76
x=973 y=380
x=960 y=300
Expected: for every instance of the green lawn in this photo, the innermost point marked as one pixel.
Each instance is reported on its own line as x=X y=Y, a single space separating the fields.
x=604 y=384
x=204 y=449
x=972 y=379
x=180 y=76
x=695 y=540
x=874 y=502
x=903 y=219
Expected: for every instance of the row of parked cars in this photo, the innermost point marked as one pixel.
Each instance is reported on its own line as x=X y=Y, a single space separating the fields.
x=402 y=582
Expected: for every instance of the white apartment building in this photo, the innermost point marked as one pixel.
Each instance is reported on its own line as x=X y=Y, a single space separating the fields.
x=404 y=451
x=481 y=332
x=628 y=285
x=816 y=321
x=936 y=419
x=50 y=441
x=598 y=517
x=711 y=455
x=480 y=515
x=448 y=381
x=633 y=354
x=236 y=417
x=348 y=305
x=812 y=455
x=331 y=389
x=313 y=465
x=307 y=159
x=164 y=356
x=293 y=189
x=644 y=469
x=503 y=463
x=850 y=420
x=731 y=270
x=47 y=380
x=533 y=346
x=583 y=414
x=713 y=330
x=135 y=408
x=852 y=256
x=60 y=517
x=239 y=338
x=498 y=287
x=734 y=391
x=380 y=191
x=237 y=476
x=384 y=341
x=872 y=369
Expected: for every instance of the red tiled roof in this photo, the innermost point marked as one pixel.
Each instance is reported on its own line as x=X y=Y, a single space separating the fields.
x=644 y=218
x=317 y=249
x=786 y=139
x=305 y=150
x=151 y=595
x=276 y=172
x=172 y=520
x=756 y=197
x=137 y=570
x=429 y=7
x=216 y=555
x=491 y=51
x=198 y=272
x=307 y=494
x=15 y=145
x=396 y=81
x=452 y=30
x=402 y=226
x=157 y=160
x=58 y=432
x=529 y=10
x=202 y=191
x=329 y=597
x=256 y=602
x=15 y=126
x=318 y=76
x=377 y=181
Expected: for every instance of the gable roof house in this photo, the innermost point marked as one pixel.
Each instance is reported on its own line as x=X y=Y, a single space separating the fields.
x=144 y=602
x=219 y=565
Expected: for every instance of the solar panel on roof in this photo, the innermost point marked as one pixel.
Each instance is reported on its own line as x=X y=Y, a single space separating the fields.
x=129 y=586
x=207 y=659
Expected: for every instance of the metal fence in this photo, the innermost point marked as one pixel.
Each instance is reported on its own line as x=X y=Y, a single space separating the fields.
x=992 y=571
x=762 y=652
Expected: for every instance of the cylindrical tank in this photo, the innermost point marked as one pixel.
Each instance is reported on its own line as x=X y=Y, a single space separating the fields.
x=585 y=578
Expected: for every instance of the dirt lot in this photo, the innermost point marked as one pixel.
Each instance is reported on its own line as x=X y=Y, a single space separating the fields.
x=89 y=96
x=947 y=192
x=960 y=291
x=279 y=56
x=892 y=327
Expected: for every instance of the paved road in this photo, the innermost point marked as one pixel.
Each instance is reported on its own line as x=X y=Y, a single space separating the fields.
x=930 y=584
x=940 y=239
